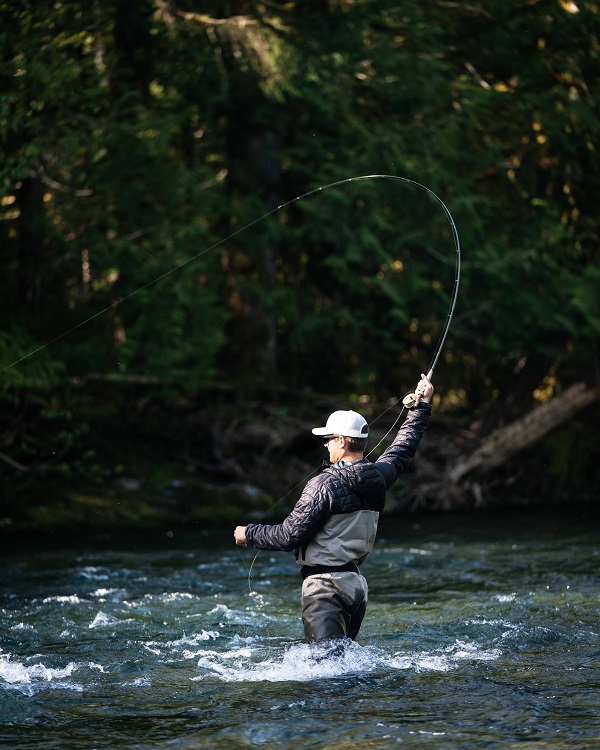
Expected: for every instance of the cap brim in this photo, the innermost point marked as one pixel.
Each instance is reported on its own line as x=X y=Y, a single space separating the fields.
x=321 y=431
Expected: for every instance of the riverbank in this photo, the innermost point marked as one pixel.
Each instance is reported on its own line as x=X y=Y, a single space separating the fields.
x=164 y=469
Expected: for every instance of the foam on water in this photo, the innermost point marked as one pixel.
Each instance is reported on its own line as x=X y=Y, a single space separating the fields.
x=31 y=675
x=113 y=595
x=180 y=647
x=304 y=662
x=446 y=658
x=238 y=617
x=497 y=649
x=91 y=573
x=73 y=599
x=23 y=626
x=102 y=620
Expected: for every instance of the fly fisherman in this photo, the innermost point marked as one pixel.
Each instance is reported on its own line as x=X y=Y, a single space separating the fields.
x=333 y=525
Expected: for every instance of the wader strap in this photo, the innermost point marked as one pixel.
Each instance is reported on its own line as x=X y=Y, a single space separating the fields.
x=314 y=570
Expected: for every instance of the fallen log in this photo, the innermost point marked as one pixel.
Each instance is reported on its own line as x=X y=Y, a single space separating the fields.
x=514 y=437
x=464 y=482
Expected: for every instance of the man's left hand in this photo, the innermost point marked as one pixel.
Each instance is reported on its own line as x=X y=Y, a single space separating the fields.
x=424 y=390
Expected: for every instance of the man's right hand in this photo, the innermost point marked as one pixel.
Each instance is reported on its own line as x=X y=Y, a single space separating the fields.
x=240 y=536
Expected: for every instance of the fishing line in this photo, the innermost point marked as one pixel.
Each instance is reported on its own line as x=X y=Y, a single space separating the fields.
x=298 y=198
x=249 y=569
x=267 y=512
x=437 y=352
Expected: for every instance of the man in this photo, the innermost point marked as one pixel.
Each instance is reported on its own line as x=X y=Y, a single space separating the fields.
x=333 y=525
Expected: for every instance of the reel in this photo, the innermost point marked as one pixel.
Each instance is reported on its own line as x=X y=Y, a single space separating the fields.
x=409 y=400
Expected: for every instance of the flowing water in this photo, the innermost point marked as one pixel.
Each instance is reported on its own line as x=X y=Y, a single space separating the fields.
x=482 y=632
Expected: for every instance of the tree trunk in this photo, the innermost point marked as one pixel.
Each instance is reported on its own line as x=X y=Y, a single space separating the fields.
x=31 y=237
x=508 y=440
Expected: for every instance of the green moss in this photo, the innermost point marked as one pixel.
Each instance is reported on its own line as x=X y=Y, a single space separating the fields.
x=145 y=505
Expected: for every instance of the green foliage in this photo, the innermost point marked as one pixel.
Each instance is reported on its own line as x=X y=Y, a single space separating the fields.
x=139 y=140
x=40 y=430
x=26 y=364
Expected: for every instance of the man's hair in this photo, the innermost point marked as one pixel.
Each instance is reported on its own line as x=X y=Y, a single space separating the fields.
x=356 y=445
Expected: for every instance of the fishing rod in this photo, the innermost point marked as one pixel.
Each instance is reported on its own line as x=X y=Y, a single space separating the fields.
x=410 y=398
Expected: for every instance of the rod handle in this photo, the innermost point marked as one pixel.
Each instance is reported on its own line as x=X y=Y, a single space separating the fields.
x=411 y=399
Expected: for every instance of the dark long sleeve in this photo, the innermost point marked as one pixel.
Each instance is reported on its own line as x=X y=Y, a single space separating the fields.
x=395 y=460
x=309 y=514
x=343 y=491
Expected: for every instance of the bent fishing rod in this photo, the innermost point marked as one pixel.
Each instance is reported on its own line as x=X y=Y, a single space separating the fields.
x=410 y=398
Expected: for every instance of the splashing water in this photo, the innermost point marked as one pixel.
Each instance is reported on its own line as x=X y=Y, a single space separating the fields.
x=472 y=638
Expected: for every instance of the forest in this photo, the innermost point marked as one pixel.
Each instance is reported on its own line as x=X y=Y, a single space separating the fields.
x=192 y=277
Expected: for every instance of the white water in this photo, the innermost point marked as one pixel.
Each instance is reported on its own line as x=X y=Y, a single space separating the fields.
x=468 y=642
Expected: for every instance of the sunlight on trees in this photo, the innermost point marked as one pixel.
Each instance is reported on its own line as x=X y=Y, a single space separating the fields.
x=136 y=138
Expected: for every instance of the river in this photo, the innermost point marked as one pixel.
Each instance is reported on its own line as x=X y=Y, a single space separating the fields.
x=482 y=632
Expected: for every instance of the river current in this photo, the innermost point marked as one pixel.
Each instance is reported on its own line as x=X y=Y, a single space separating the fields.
x=482 y=632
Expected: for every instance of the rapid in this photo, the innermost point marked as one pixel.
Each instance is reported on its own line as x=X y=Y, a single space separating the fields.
x=482 y=631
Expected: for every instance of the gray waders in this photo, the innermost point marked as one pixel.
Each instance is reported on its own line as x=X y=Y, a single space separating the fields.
x=333 y=605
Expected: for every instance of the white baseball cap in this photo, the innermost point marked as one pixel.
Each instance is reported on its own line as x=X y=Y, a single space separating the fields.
x=345 y=423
